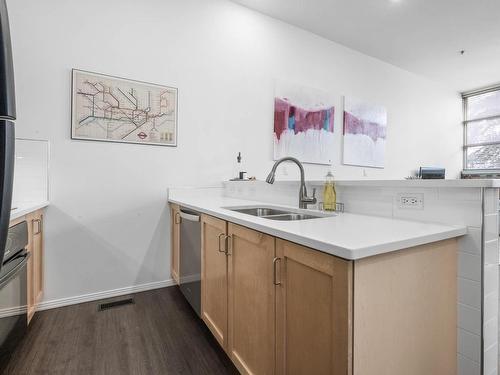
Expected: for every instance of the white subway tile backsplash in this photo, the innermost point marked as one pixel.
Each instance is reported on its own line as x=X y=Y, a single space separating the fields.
x=491 y=201
x=361 y=201
x=464 y=194
x=378 y=207
x=490 y=307
x=471 y=242
x=469 y=345
x=469 y=292
x=467 y=213
x=469 y=319
x=430 y=194
x=467 y=366
x=259 y=190
x=355 y=192
x=491 y=227
x=490 y=332
x=490 y=279
x=490 y=364
x=469 y=266
x=491 y=252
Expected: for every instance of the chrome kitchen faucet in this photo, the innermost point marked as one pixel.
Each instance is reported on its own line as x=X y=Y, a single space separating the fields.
x=304 y=200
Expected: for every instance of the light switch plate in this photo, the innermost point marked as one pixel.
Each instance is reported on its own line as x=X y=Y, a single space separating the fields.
x=413 y=201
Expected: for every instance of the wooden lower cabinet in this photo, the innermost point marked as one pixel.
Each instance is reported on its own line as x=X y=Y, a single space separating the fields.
x=35 y=264
x=30 y=285
x=281 y=308
x=251 y=308
x=214 y=277
x=35 y=261
x=38 y=255
x=405 y=312
x=313 y=312
x=175 y=216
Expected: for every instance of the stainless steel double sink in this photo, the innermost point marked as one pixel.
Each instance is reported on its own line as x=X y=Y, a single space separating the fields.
x=279 y=214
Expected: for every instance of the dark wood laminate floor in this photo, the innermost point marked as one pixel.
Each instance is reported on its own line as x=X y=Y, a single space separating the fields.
x=159 y=334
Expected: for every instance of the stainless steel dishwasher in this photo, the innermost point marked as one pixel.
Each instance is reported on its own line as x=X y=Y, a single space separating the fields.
x=190 y=258
x=13 y=292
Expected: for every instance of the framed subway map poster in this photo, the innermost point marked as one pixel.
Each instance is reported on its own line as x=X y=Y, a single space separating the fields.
x=112 y=109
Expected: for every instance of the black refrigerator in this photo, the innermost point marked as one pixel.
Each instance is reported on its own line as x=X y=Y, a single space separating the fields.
x=7 y=118
x=13 y=241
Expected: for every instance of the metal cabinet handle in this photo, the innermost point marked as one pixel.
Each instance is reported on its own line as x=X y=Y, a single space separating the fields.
x=275 y=262
x=177 y=218
x=39 y=225
x=222 y=235
x=189 y=217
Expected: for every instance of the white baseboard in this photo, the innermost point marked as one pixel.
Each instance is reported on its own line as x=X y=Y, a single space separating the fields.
x=13 y=311
x=55 y=303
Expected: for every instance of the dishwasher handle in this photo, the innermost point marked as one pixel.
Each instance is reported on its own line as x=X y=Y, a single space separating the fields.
x=21 y=260
x=189 y=217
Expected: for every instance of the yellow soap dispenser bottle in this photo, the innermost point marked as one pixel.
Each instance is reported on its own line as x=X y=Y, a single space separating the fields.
x=329 y=193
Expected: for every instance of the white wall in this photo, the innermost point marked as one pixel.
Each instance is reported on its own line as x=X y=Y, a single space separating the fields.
x=107 y=226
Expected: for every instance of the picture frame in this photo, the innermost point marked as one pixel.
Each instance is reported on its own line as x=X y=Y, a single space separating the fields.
x=107 y=108
x=364 y=133
x=304 y=123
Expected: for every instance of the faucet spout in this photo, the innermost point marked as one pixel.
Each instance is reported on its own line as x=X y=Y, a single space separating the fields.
x=270 y=176
x=304 y=200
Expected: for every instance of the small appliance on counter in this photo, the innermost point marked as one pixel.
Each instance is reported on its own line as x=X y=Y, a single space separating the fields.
x=431 y=173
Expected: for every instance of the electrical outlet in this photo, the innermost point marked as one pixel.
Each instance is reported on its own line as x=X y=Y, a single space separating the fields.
x=411 y=200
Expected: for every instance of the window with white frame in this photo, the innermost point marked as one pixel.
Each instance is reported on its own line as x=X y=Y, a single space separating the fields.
x=482 y=130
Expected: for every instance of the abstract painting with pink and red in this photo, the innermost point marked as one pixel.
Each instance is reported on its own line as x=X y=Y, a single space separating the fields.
x=303 y=124
x=365 y=127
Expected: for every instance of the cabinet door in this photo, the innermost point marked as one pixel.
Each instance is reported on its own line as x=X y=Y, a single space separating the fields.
x=35 y=261
x=37 y=256
x=313 y=312
x=175 y=238
x=214 y=277
x=30 y=271
x=251 y=320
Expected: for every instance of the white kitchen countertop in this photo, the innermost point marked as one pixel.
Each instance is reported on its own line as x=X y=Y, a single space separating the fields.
x=26 y=208
x=346 y=235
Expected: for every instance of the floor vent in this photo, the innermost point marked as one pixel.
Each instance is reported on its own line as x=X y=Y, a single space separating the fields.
x=110 y=305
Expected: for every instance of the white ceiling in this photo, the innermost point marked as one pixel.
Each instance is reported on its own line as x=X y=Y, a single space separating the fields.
x=421 y=36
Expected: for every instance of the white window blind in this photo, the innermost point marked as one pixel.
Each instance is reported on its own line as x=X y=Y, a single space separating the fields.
x=482 y=130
